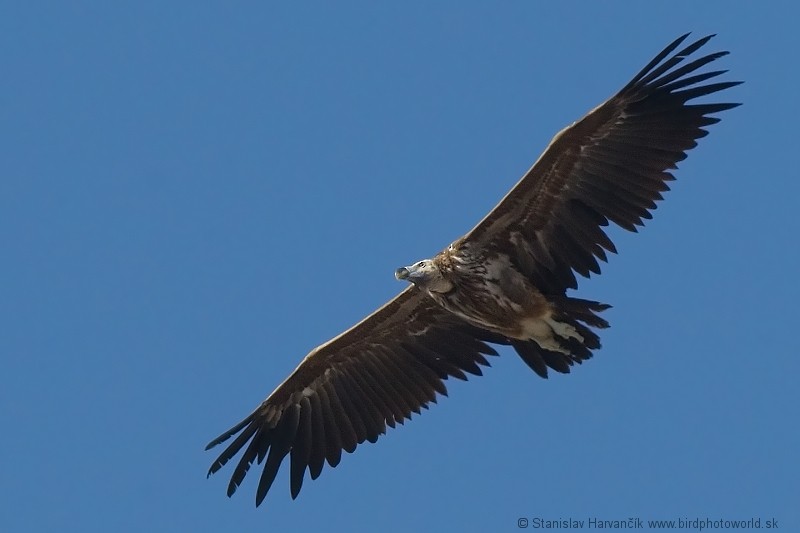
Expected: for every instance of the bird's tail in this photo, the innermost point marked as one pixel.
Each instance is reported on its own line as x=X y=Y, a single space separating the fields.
x=572 y=321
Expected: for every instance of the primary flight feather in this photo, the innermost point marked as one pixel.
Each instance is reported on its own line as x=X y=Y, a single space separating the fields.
x=505 y=282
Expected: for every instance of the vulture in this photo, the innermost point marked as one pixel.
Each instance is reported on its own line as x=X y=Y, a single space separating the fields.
x=503 y=283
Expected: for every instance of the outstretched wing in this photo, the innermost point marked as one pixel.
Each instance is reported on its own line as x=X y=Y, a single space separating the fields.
x=349 y=389
x=612 y=165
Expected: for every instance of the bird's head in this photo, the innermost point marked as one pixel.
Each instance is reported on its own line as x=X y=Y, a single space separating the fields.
x=425 y=274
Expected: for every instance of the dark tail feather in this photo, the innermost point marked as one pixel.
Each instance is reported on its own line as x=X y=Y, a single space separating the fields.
x=582 y=310
x=531 y=353
x=581 y=315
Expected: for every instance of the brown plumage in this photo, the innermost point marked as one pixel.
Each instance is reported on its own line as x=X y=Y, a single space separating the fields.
x=504 y=282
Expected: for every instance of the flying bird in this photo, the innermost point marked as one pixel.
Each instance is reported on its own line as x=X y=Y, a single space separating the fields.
x=504 y=283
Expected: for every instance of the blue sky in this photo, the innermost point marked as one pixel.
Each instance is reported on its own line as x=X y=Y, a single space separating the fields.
x=195 y=196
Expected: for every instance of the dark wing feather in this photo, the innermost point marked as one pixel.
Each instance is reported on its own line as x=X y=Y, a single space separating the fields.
x=346 y=391
x=612 y=165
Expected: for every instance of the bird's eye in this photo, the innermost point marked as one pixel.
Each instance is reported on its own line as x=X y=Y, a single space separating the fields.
x=421 y=264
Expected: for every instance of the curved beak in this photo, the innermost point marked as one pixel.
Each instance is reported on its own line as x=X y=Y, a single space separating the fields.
x=402 y=273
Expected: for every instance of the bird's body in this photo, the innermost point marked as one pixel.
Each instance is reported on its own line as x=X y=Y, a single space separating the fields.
x=505 y=282
x=488 y=292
